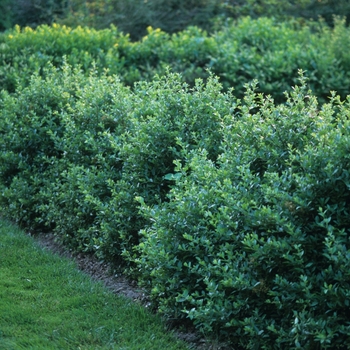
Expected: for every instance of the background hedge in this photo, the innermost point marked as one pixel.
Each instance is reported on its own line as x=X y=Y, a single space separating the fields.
x=248 y=49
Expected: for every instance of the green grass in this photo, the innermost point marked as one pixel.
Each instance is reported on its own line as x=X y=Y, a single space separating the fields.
x=46 y=303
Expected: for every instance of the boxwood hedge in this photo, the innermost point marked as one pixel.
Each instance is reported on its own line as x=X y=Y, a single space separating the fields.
x=77 y=150
x=255 y=246
x=264 y=49
x=233 y=212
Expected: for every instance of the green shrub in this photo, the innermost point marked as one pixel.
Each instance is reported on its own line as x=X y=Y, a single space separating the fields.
x=76 y=201
x=234 y=212
x=273 y=52
x=248 y=49
x=162 y=114
x=25 y=51
x=77 y=161
x=57 y=151
x=255 y=248
x=28 y=119
x=166 y=114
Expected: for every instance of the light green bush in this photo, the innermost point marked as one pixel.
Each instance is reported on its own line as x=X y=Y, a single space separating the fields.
x=248 y=49
x=25 y=51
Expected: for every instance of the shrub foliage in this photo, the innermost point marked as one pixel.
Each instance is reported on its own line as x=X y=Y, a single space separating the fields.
x=233 y=211
x=256 y=246
x=248 y=49
x=228 y=198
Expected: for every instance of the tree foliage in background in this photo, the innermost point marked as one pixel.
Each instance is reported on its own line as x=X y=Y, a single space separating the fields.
x=5 y=14
x=30 y=12
x=134 y=16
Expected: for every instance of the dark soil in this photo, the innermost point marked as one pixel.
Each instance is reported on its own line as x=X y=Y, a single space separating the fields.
x=120 y=285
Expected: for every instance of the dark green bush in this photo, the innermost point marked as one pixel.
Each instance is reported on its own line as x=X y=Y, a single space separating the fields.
x=57 y=155
x=272 y=53
x=256 y=247
x=134 y=16
x=162 y=115
x=78 y=159
x=166 y=113
x=5 y=15
x=28 y=121
x=234 y=212
x=76 y=202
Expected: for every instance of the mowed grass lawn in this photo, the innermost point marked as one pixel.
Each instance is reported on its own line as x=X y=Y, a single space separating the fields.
x=46 y=303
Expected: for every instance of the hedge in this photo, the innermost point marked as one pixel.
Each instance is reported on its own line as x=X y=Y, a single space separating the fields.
x=233 y=212
x=263 y=49
x=255 y=247
x=76 y=151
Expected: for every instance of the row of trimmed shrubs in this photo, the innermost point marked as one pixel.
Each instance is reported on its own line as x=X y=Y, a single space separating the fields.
x=262 y=49
x=234 y=213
